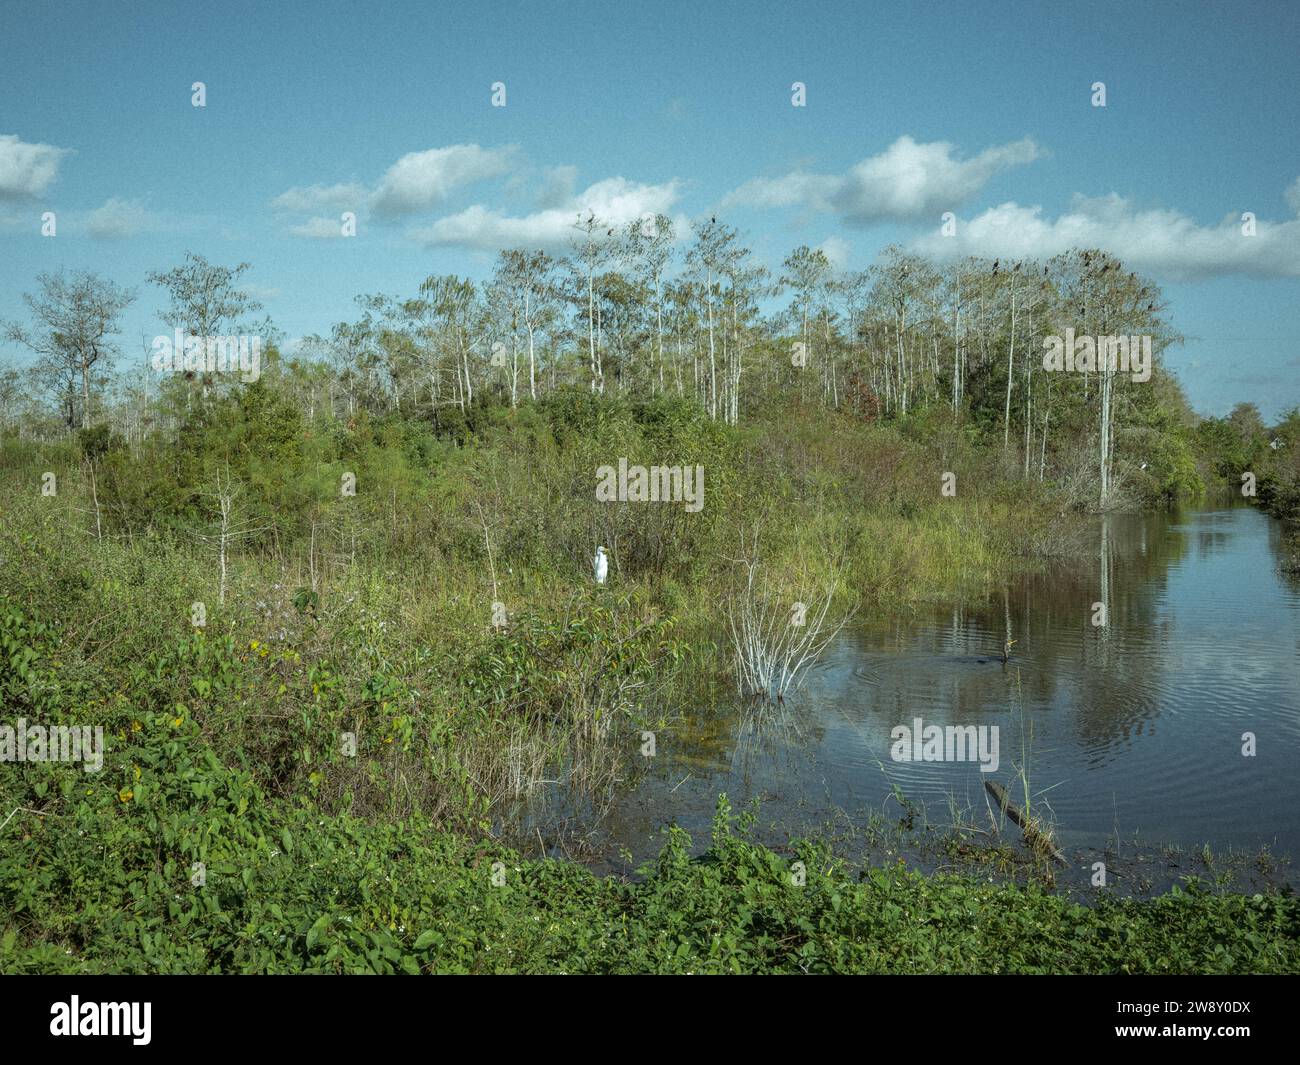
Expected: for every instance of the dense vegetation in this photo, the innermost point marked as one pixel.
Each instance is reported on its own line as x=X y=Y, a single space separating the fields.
x=338 y=624
x=102 y=885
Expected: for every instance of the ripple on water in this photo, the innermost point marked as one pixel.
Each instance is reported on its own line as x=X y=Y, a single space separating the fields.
x=1132 y=727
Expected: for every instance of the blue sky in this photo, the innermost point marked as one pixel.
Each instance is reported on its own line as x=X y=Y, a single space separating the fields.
x=912 y=109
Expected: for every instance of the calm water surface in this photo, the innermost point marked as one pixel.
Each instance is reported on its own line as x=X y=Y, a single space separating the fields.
x=1130 y=731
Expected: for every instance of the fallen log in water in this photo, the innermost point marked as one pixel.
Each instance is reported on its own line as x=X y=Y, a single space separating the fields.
x=1034 y=836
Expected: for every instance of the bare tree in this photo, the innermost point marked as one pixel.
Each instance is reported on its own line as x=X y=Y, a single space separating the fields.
x=591 y=251
x=231 y=527
x=707 y=260
x=775 y=639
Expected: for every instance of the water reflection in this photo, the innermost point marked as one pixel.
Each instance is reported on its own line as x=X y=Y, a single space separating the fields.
x=1129 y=727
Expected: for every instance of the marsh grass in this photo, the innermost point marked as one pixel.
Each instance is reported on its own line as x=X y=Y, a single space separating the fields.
x=372 y=617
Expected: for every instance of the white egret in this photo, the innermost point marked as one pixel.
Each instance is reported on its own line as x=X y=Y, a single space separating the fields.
x=600 y=565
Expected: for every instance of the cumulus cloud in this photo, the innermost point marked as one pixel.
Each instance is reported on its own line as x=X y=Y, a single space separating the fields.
x=904 y=182
x=422 y=180
x=417 y=182
x=836 y=250
x=558 y=183
x=1162 y=242
x=1293 y=196
x=615 y=201
x=27 y=169
x=322 y=197
x=117 y=219
x=318 y=228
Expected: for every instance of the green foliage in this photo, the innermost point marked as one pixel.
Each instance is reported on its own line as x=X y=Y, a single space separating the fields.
x=591 y=663
x=23 y=642
x=1241 y=443
x=106 y=880
x=368 y=617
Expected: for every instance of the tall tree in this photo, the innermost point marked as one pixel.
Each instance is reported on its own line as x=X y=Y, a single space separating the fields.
x=806 y=272
x=74 y=317
x=706 y=260
x=205 y=300
x=526 y=278
x=590 y=251
x=649 y=243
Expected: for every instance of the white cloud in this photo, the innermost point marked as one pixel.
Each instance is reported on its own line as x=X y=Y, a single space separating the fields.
x=117 y=219
x=318 y=228
x=416 y=182
x=321 y=197
x=836 y=250
x=798 y=188
x=27 y=169
x=615 y=201
x=558 y=183
x=1163 y=242
x=422 y=180
x=1292 y=195
x=906 y=181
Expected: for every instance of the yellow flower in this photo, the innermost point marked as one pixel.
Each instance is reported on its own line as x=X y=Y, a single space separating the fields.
x=136 y=768
x=126 y=794
x=136 y=726
x=176 y=721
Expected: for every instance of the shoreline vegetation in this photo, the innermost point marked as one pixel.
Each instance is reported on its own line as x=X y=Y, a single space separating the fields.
x=338 y=623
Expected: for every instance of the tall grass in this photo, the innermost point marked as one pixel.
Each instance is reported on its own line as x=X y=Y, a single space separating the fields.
x=372 y=616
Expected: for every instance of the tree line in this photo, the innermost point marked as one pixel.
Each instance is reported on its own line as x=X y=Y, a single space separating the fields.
x=639 y=311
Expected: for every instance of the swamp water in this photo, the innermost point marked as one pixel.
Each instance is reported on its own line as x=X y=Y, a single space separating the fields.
x=1129 y=732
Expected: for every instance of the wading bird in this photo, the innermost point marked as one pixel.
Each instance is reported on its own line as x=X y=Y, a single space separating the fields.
x=600 y=565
